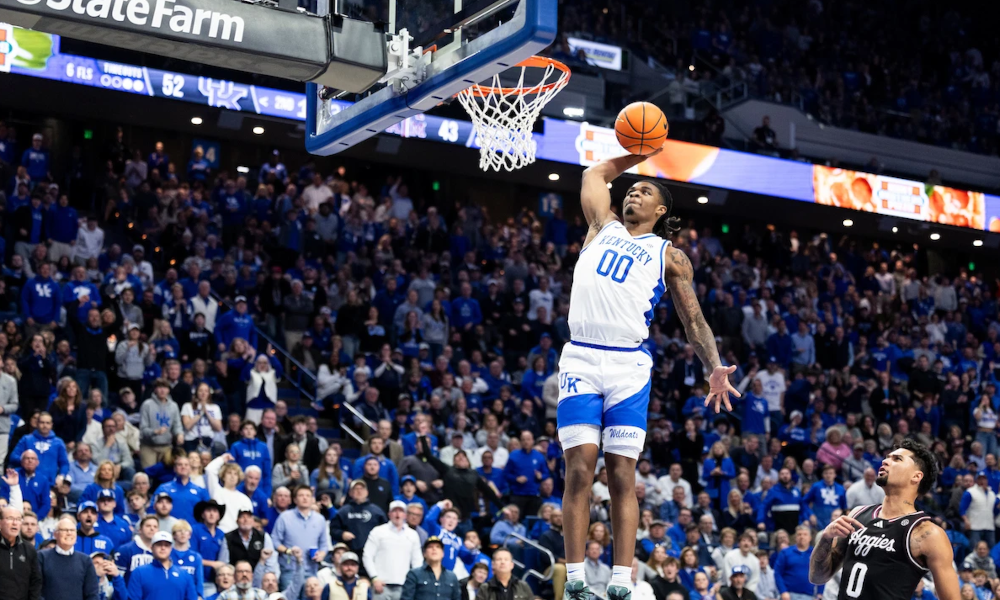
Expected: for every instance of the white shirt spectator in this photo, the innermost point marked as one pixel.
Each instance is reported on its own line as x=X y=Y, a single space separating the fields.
x=774 y=387
x=667 y=485
x=202 y=428
x=735 y=557
x=500 y=456
x=859 y=494
x=208 y=307
x=539 y=298
x=601 y=492
x=314 y=195
x=89 y=244
x=390 y=553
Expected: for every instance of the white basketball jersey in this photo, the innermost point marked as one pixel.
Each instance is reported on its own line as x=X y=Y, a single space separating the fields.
x=617 y=284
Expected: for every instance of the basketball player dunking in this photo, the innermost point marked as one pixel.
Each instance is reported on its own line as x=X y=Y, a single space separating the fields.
x=885 y=549
x=604 y=373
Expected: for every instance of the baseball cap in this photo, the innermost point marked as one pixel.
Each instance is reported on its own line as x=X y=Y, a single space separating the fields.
x=37 y=136
x=397 y=504
x=357 y=482
x=163 y=495
x=162 y=536
x=982 y=474
x=138 y=248
x=240 y=299
x=346 y=556
x=657 y=523
x=103 y=555
x=433 y=540
x=339 y=546
x=104 y=494
x=88 y=505
x=740 y=570
x=773 y=359
x=409 y=478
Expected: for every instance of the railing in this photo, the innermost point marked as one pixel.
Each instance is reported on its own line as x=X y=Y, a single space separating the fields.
x=298 y=376
x=539 y=548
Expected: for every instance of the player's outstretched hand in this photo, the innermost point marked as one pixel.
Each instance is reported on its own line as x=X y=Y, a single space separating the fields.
x=719 y=388
x=841 y=528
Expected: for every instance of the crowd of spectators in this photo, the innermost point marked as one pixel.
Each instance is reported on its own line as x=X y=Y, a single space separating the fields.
x=144 y=418
x=932 y=77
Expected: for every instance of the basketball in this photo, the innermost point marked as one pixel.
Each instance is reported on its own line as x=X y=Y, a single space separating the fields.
x=641 y=128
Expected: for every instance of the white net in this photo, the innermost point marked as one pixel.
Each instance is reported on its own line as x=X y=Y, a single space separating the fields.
x=503 y=117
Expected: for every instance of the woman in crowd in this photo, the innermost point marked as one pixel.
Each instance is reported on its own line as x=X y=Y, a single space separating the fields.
x=599 y=533
x=328 y=478
x=223 y=477
x=132 y=355
x=434 y=324
x=105 y=479
x=262 y=377
x=69 y=413
x=833 y=451
x=717 y=472
x=201 y=419
x=737 y=514
x=689 y=567
x=198 y=476
x=290 y=472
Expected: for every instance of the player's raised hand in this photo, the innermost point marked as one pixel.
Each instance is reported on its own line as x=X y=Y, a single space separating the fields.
x=842 y=527
x=719 y=388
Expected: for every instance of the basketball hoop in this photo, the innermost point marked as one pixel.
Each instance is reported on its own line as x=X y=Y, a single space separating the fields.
x=503 y=116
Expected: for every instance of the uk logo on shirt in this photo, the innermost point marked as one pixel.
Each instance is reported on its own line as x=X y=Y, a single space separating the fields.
x=829 y=496
x=43 y=290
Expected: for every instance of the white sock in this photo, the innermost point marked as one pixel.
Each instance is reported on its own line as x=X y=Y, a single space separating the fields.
x=575 y=572
x=621 y=576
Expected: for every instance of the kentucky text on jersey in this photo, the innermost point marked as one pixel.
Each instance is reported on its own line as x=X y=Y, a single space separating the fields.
x=629 y=246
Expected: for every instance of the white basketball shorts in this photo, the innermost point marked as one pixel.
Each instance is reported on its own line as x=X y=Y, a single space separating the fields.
x=602 y=387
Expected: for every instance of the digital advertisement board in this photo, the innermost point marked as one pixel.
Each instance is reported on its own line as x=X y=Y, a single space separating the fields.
x=35 y=54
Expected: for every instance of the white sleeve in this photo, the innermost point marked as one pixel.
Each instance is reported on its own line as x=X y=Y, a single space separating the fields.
x=16 y=499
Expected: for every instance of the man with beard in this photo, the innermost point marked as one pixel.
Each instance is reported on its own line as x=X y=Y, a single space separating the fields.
x=782 y=502
x=869 y=541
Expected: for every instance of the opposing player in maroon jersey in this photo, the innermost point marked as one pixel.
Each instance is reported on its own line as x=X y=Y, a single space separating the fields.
x=886 y=548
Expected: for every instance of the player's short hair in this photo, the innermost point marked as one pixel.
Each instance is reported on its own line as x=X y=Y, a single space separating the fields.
x=924 y=460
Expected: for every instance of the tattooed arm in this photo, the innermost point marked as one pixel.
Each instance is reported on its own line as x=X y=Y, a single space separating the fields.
x=827 y=557
x=678 y=274
x=929 y=544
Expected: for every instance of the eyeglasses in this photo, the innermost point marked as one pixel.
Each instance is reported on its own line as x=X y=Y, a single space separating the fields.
x=65 y=531
x=13 y=519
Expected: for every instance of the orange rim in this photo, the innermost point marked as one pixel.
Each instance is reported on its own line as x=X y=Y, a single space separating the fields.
x=539 y=62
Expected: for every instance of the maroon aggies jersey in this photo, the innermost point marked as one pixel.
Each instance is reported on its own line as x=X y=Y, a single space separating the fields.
x=878 y=564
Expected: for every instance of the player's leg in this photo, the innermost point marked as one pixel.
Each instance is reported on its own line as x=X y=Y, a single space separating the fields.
x=581 y=462
x=625 y=409
x=624 y=508
x=579 y=417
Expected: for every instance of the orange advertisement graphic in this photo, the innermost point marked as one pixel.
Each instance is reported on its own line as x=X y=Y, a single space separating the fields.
x=898 y=197
x=679 y=161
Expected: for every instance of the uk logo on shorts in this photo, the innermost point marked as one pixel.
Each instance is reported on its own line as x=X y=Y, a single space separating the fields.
x=568 y=383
